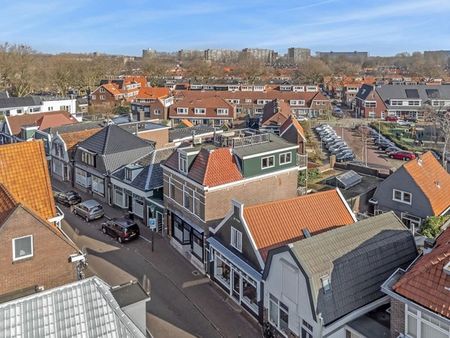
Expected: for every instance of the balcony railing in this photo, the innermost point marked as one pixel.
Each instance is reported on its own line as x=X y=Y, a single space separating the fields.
x=302 y=160
x=241 y=140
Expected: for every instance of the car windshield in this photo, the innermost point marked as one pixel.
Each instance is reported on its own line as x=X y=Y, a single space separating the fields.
x=131 y=228
x=96 y=208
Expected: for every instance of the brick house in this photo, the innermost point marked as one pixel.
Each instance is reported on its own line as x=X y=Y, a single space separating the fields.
x=239 y=245
x=420 y=295
x=212 y=110
x=34 y=254
x=369 y=104
x=152 y=103
x=199 y=180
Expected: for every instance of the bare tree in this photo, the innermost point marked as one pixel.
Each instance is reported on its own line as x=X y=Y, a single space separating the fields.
x=440 y=116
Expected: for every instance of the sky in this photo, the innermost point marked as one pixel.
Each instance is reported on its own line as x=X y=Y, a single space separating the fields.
x=381 y=27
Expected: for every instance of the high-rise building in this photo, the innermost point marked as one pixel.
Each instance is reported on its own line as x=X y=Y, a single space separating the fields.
x=353 y=56
x=185 y=54
x=297 y=55
x=221 y=55
x=261 y=54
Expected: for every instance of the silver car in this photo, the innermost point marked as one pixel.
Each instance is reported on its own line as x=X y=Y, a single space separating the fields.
x=89 y=210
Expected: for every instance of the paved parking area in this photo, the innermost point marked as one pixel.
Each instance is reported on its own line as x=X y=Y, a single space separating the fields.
x=366 y=151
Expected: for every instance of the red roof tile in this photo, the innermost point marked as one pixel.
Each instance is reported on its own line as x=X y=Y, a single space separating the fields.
x=7 y=203
x=17 y=122
x=55 y=120
x=292 y=121
x=432 y=179
x=276 y=112
x=426 y=282
x=214 y=167
x=276 y=223
x=152 y=93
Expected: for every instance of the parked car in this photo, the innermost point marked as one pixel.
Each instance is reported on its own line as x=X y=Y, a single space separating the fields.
x=404 y=123
x=402 y=155
x=333 y=142
x=345 y=157
x=67 y=198
x=392 y=149
x=384 y=146
x=89 y=210
x=391 y=118
x=339 y=150
x=331 y=138
x=122 y=229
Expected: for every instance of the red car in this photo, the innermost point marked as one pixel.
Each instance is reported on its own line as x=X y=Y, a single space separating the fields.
x=391 y=118
x=402 y=155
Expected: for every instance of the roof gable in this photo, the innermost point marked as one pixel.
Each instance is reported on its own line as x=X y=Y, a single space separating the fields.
x=428 y=271
x=357 y=259
x=432 y=179
x=24 y=172
x=43 y=120
x=276 y=223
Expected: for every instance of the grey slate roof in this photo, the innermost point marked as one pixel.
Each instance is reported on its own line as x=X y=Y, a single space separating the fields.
x=4 y=95
x=181 y=133
x=364 y=91
x=129 y=293
x=24 y=101
x=84 y=308
x=275 y=143
x=358 y=258
x=115 y=147
x=403 y=92
x=151 y=177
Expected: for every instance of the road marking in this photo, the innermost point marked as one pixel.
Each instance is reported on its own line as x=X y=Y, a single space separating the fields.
x=145 y=239
x=195 y=283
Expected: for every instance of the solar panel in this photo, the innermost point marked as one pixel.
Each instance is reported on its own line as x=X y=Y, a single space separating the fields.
x=432 y=93
x=412 y=93
x=348 y=179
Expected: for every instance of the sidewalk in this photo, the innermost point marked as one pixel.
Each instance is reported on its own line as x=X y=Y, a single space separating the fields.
x=170 y=270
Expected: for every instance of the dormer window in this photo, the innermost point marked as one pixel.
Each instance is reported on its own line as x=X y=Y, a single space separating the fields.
x=128 y=174
x=182 y=163
x=200 y=111
x=222 y=111
x=88 y=158
x=326 y=285
x=182 y=111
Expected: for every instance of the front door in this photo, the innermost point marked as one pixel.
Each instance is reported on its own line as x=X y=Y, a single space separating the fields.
x=236 y=287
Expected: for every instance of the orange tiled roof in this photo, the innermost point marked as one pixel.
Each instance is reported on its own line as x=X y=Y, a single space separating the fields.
x=112 y=88
x=152 y=93
x=425 y=282
x=432 y=179
x=142 y=80
x=24 y=172
x=187 y=123
x=17 y=122
x=276 y=223
x=7 y=203
x=55 y=120
x=292 y=121
x=214 y=167
x=71 y=139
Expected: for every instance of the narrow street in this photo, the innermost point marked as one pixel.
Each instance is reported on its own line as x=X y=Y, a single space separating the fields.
x=183 y=303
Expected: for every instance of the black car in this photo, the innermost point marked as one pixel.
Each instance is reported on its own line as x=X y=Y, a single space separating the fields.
x=68 y=198
x=122 y=229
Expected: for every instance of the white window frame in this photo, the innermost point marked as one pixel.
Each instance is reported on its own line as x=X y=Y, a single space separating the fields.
x=182 y=111
x=276 y=302
x=269 y=166
x=402 y=199
x=190 y=193
x=326 y=283
x=236 y=239
x=285 y=155
x=183 y=163
x=200 y=111
x=222 y=111
x=15 y=259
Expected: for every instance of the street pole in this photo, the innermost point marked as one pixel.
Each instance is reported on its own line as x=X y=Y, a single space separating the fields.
x=153 y=240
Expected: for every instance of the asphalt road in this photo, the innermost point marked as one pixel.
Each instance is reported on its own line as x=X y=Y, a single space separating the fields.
x=183 y=304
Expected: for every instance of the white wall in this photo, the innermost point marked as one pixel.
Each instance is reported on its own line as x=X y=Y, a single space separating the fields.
x=286 y=282
x=54 y=105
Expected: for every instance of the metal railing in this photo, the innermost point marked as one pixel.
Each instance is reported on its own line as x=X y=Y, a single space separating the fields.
x=241 y=139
